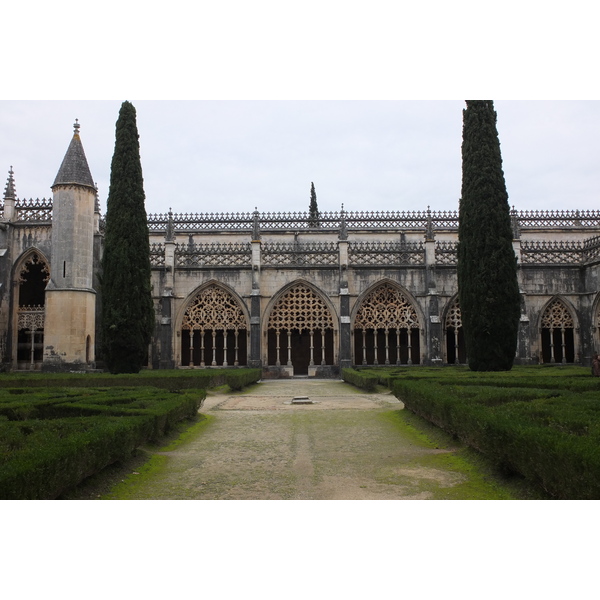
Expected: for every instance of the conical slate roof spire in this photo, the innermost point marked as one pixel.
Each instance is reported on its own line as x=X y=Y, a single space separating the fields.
x=74 y=169
x=10 y=192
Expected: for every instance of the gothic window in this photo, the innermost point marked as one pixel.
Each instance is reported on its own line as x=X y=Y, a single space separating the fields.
x=32 y=279
x=386 y=328
x=214 y=330
x=455 y=339
x=300 y=330
x=557 y=334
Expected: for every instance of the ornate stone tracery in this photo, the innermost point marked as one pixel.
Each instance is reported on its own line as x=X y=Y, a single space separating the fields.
x=386 y=308
x=386 y=324
x=214 y=308
x=454 y=318
x=454 y=334
x=34 y=259
x=299 y=254
x=31 y=317
x=216 y=313
x=386 y=253
x=557 y=333
x=34 y=210
x=557 y=316
x=300 y=308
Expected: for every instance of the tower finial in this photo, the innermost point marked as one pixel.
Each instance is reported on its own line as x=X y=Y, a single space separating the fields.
x=10 y=192
x=76 y=126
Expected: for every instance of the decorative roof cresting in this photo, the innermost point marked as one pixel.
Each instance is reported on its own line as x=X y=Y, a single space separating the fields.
x=74 y=169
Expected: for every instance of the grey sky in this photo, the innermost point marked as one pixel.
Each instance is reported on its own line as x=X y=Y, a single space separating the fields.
x=230 y=156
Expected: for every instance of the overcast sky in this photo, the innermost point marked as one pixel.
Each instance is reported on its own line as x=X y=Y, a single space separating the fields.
x=230 y=156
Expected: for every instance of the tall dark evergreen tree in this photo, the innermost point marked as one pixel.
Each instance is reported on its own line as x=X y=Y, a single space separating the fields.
x=127 y=307
x=487 y=268
x=313 y=211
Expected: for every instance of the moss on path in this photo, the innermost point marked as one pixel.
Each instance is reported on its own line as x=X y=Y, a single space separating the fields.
x=349 y=445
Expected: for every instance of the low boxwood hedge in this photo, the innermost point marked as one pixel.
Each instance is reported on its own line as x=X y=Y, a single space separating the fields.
x=174 y=379
x=549 y=435
x=53 y=440
x=43 y=458
x=364 y=381
x=54 y=433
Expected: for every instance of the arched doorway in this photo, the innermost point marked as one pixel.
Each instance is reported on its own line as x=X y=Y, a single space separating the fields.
x=300 y=331
x=557 y=332
x=386 y=329
x=456 y=352
x=214 y=330
x=32 y=277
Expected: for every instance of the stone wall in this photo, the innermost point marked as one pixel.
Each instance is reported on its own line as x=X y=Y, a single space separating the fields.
x=257 y=257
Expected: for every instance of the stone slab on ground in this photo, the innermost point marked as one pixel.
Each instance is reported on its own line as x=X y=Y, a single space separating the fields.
x=278 y=395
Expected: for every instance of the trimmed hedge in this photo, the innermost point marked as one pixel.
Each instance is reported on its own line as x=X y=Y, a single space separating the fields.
x=364 y=381
x=54 y=433
x=74 y=436
x=550 y=435
x=239 y=379
x=58 y=454
x=173 y=380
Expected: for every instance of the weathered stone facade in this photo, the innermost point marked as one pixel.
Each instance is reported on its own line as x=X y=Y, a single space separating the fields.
x=268 y=290
x=400 y=268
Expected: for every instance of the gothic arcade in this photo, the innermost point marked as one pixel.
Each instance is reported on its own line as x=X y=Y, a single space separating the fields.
x=358 y=289
x=271 y=290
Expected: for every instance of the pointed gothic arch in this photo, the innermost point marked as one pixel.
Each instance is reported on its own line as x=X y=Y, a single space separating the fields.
x=31 y=275
x=387 y=327
x=456 y=352
x=214 y=328
x=300 y=329
x=557 y=332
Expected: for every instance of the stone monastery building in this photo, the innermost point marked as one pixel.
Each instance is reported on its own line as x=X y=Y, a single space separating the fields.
x=271 y=290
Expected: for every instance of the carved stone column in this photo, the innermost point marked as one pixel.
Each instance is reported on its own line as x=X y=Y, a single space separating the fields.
x=345 y=356
x=254 y=359
x=166 y=331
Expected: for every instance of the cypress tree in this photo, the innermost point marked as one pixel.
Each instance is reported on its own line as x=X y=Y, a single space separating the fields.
x=313 y=211
x=487 y=268
x=127 y=306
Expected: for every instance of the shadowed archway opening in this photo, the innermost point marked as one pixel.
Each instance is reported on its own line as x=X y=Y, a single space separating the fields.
x=32 y=279
x=387 y=347
x=300 y=348
x=202 y=348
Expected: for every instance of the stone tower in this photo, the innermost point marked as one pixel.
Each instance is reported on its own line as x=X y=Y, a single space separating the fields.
x=70 y=321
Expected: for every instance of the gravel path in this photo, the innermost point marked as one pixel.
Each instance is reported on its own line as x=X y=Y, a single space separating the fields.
x=346 y=445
